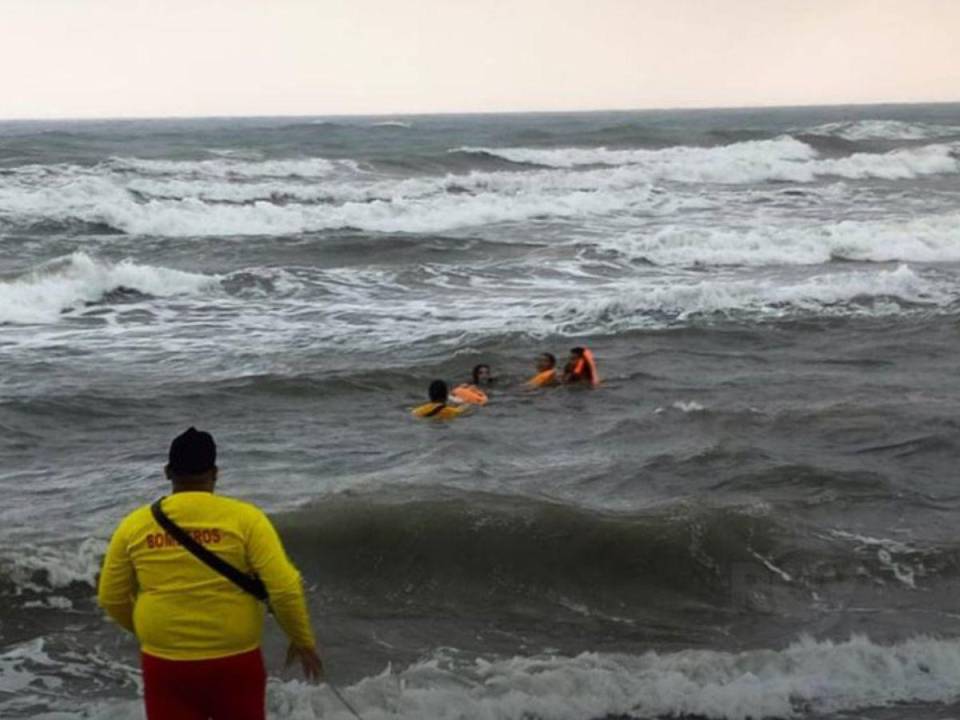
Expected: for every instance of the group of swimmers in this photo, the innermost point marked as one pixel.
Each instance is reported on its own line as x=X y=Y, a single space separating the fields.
x=445 y=404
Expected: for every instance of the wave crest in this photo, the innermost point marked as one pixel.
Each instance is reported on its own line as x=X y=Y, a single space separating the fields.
x=807 y=677
x=41 y=295
x=857 y=130
x=288 y=197
x=873 y=293
x=784 y=159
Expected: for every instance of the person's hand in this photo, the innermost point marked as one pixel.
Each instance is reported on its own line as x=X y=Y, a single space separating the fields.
x=309 y=660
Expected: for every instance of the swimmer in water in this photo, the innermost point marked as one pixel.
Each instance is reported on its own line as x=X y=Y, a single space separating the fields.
x=546 y=365
x=581 y=368
x=470 y=393
x=438 y=407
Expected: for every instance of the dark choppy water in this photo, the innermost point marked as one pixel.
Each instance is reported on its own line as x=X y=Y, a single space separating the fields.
x=754 y=516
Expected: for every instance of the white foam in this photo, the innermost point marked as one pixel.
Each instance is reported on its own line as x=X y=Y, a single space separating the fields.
x=234 y=197
x=890 y=554
x=55 y=602
x=678 y=162
x=236 y=153
x=543 y=308
x=193 y=217
x=902 y=164
x=393 y=124
x=883 y=130
x=180 y=206
x=42 y=568
x=769 y=241
x=41 y=295
x=237 y=167
x=807 y=677
x=876 y=293
x=377 y=309
x=783 y=159
x=41 y=681
x=59 y=193
x=15 y=677
x=447 y=189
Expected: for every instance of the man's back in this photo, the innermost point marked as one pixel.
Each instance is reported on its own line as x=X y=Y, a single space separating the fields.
x=200 y=633
x=185 y=610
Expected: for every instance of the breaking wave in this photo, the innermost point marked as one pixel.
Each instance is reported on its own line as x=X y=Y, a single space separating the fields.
x=807 y=677
x=857 y=130
x=408 y=308
x=868 y=293
x=287 y=197
x=784 y=159
x=478 y=552
x=928 y=239
x=233 y=167
x=41 y=295
x=393 y=124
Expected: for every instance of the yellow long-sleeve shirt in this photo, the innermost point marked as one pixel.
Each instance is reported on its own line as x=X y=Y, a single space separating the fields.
x=181 y=609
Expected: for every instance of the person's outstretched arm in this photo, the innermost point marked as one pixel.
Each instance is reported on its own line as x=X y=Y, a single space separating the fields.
x=269 y=560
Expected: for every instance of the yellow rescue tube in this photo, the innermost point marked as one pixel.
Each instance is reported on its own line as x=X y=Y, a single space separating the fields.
x=440 y=411
x=543 y=379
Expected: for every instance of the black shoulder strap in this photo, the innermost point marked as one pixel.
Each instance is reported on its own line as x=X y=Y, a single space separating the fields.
x=252 y=585
x=437 y=410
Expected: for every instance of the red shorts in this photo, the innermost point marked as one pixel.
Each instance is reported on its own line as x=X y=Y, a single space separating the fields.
x=228 y=688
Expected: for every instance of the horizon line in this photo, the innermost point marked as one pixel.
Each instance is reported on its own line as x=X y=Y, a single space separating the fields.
x=455 y=113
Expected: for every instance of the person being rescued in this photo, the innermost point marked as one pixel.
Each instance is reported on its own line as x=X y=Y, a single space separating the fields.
x=581 y=368
x=437 y=407
x=546 y=364
x=470 y=393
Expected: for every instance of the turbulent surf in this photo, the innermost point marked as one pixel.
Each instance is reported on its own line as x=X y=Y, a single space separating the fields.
x=753 y=516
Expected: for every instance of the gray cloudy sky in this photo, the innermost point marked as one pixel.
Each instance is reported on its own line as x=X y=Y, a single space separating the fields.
x=111 y=58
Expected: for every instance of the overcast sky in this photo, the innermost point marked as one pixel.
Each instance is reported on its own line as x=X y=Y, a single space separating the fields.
x=136 y=58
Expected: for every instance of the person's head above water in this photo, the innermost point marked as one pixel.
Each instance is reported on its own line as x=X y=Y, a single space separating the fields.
x=576 y=354
x=581 y=367
x=546 y=361
x=192 y=461
x=438 y=391
x=481 y=374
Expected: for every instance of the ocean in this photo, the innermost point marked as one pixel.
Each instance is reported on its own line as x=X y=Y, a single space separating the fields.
x=755 y=515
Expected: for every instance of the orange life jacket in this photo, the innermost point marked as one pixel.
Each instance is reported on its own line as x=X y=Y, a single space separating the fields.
x=586 y=368
x=542 y=379
x=470 y=394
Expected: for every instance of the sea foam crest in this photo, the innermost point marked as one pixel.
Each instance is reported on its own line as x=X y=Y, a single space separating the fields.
x=785 y=159
x=933 y=238
x=194 y=206
x=856 y=130
x=237 y=167
x=875 y=293
x=50 y=679
x=42 y=294
x=192 y=216
x=44 y=568
x=180 y=198
x=403 y=125
x=784 y=148
x=807 y=676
